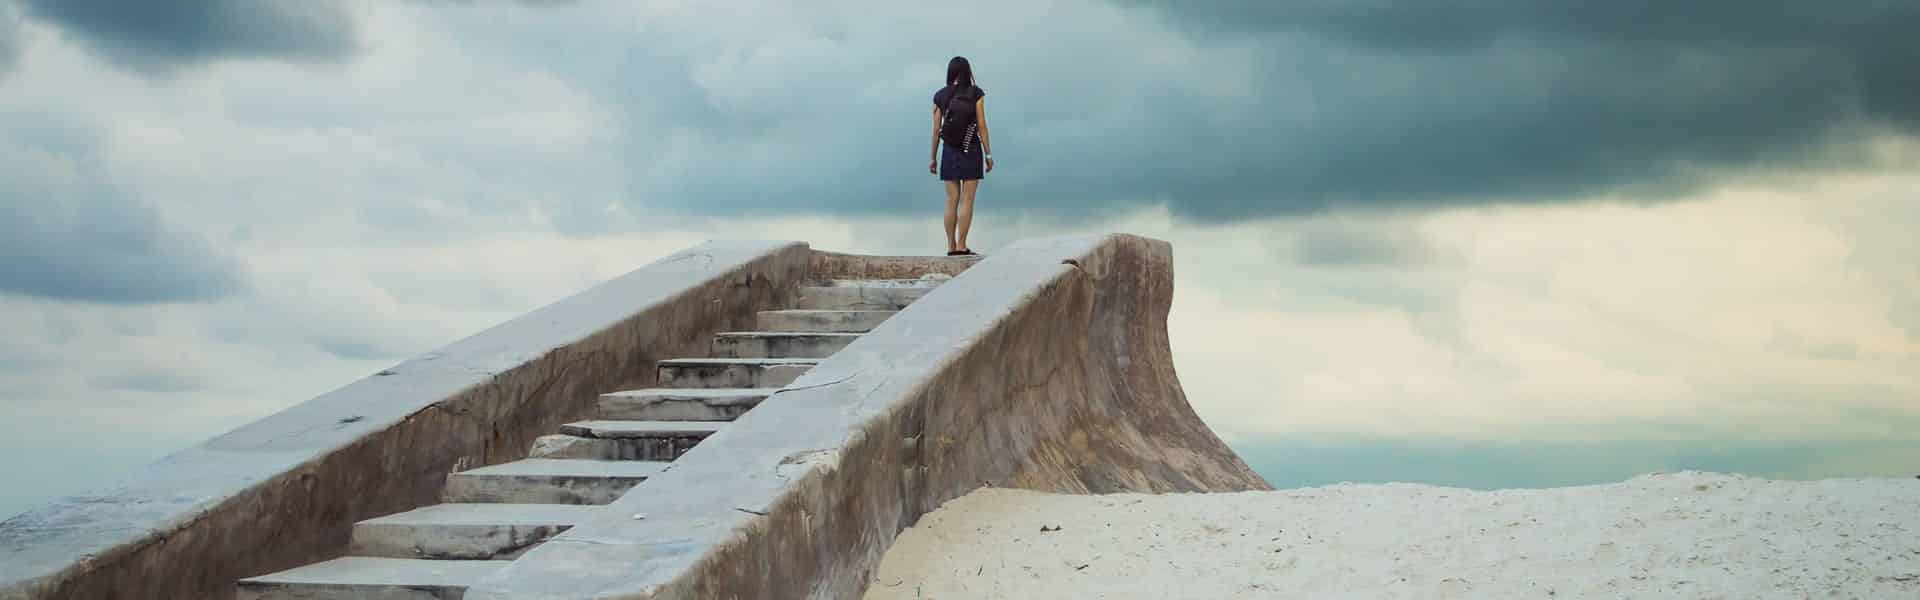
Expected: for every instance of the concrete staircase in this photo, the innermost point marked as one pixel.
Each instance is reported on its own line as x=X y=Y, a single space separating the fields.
x=491 y=515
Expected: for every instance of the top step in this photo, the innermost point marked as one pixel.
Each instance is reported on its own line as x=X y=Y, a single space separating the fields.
x=859 y=297
x=924 y=282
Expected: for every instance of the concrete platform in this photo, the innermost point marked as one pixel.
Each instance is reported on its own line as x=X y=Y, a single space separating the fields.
x=464 y=531
x=842 y=321
x=858 y=297
x=732 y=372
x=550 y=481
x=780 y=344
x=682 y=404
x=368 y=578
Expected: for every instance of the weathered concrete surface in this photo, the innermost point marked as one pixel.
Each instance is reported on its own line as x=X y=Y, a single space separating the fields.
x=1045 y=366
x=836 y=297
x=732 y=372
x=925 y=281
x=617 y=429
x=834 y=265
x=284 y=490
x=841 y=321
x=550 y=481
x=573 y=446
x=779 y=344
x=370 y=578
x=463 y=531
x=624 y=440
x=709 y=404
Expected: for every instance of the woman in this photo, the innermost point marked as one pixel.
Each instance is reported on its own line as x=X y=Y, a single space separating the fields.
x=960 y=125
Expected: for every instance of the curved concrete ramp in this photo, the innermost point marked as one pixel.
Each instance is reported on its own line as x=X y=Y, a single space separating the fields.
x=1045 y=366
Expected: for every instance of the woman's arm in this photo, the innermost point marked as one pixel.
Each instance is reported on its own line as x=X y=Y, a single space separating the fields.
x=933 y=155
x=986 y=144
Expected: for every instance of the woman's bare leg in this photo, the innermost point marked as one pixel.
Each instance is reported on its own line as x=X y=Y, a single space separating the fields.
x=953 y=199
x=965 y=212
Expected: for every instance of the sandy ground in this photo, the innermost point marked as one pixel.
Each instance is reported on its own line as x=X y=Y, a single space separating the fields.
x=1674 y=535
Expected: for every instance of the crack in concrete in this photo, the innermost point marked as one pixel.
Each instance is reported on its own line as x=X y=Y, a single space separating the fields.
x=862 y=405
x=803 y=458
x=804 y=455
x=704 y=255
x=821 y=385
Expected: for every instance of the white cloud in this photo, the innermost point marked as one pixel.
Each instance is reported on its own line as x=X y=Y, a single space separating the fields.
x=1749 y=309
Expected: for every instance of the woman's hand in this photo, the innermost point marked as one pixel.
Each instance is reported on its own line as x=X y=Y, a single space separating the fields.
x=989 y=165
x=933 y=166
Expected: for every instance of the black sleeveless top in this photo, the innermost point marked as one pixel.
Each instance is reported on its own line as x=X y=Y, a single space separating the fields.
x=965 y=122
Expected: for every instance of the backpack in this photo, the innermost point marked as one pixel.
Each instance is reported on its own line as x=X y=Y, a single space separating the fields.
x=959 y=124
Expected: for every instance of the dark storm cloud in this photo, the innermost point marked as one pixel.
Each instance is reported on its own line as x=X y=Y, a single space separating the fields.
x=155 y=35
x=9 y=36
x=1294 y=108
x=1873 y=38
x=1424 y=103
x=533 y=3
x=1457 y=24
x=67 y=233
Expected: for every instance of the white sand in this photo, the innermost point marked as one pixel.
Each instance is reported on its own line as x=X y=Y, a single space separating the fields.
x=1675 y=535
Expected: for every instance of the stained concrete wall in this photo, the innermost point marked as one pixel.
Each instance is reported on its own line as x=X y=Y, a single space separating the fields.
x=1045 y=366
x=285 y=490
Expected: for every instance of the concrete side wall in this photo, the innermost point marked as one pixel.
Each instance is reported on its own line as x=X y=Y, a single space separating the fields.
x=1045 y=366
x=285 y=490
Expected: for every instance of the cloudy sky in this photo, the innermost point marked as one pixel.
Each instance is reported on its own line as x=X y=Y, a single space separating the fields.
x=1488 y=243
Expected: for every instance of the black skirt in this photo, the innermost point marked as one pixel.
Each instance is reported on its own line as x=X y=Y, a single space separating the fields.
x=961 y=166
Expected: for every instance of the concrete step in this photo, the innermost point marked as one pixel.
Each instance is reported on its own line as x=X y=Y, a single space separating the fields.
x=549 y=481
x=464 y=531
x=923 y=282
x=624 y=440
x=841 y=321
x=732 y=372
x=685 y=404
x=858 y=297
x=622 y=430
x=370 y=578
x=561 y=445
x=779 y=344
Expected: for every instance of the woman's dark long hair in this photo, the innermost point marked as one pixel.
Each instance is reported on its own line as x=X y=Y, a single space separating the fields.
x=960 y=75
